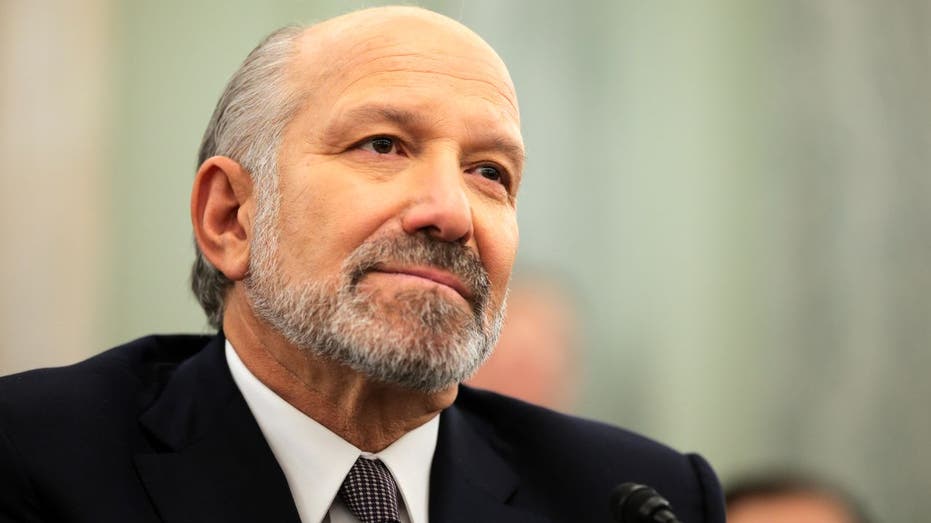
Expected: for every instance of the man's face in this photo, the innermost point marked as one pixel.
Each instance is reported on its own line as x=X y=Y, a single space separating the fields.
x=395 y=229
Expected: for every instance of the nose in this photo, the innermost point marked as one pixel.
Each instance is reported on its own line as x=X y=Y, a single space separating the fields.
x=439 y=203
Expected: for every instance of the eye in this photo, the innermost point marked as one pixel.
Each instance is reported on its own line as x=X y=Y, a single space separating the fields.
x=380 y=145
x=491 y=172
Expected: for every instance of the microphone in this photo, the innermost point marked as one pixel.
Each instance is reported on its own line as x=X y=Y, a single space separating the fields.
x=635 y=503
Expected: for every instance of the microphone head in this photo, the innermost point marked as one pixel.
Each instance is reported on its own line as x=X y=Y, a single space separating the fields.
x=636 y=503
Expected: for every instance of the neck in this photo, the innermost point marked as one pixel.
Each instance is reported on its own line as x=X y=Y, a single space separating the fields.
x=368 y=414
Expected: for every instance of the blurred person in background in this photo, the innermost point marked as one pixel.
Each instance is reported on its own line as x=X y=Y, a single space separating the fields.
x=790 y=498
x=538 y=357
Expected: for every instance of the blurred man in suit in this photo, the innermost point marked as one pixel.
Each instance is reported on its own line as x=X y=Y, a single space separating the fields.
x=355 y=218
x=790 y=498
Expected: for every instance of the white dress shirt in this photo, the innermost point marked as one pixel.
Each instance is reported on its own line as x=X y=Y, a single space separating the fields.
x=315 y=460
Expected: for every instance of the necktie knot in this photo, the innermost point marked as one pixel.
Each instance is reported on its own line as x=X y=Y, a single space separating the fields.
x=370 y=493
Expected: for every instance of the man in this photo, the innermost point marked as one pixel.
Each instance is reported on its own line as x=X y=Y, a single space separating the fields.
x=354 y=213
x=790 y=498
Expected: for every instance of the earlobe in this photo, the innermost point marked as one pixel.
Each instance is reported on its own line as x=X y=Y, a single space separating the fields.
x=221 y=213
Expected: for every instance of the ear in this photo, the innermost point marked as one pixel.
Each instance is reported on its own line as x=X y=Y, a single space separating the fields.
x=221 y=211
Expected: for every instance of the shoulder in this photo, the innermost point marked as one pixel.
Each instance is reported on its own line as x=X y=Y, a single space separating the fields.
x=61 y=428
x=579 y=456
x=116 y=380
x=540 y=428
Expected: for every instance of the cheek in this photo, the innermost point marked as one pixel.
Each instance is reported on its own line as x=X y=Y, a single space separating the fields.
x=324 y=221
x=310 y=223
x=498 y=249
x=304 y=233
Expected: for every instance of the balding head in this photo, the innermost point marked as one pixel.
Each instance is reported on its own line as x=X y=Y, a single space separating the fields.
x=295 y=68
x=400 y=36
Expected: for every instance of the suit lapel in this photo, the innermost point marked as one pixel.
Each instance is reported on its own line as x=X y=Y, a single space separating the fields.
x=214 y=464
x=469 y=480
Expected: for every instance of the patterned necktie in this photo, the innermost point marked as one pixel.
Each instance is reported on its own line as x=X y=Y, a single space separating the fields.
x=370 y=492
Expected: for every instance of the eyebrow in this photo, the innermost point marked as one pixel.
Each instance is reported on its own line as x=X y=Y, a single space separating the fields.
x=375 y=113
x=510 y=149
x=372 y=113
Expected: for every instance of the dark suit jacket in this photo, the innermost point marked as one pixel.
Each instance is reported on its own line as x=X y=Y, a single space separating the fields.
x=156 y=430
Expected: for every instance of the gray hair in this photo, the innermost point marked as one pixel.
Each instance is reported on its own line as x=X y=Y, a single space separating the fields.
x=247 y=126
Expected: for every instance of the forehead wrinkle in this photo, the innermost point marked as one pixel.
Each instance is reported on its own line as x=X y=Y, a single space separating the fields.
x=371 y=113
x=345 y=59
x=336 y=52
x=336 y=63
x=489 y=83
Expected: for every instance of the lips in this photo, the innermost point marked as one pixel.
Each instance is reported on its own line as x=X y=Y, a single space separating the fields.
x=433 y=274
x=423 y=259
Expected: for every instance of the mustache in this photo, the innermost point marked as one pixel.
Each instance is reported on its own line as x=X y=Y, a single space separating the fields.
x=422 y=249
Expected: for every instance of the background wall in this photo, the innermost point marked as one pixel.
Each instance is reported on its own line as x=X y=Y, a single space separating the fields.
x=739 y=191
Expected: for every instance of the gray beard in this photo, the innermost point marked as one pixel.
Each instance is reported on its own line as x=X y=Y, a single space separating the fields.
x=416 y=338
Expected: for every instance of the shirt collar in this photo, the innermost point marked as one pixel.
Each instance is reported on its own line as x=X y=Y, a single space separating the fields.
x=315 y=460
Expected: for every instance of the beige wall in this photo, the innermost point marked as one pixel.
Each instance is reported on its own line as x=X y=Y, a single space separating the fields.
x=55 y=98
